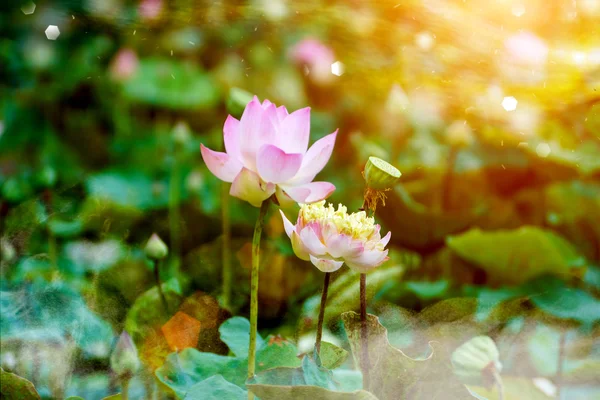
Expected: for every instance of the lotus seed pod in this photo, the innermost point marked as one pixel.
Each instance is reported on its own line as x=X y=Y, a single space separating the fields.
x=380 y=175
x=124 y=360
x=476 y=361
x=156 y=249
x=237 y=101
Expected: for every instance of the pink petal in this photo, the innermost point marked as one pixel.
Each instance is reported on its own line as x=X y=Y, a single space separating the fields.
x=248 y=186
x=299 y=249
x=255 y=130
x=265 y=104
x=339 y=246
x=310 y=192
x=368 y=260
x=315 y=159
x=231 y=137
x=287 y=225
x=325 y=265
x=222 y=166
x=386 y=239
x=275 y=165
x=311 y=242
x=282 y=112
x=294 y=131
x=283 y=199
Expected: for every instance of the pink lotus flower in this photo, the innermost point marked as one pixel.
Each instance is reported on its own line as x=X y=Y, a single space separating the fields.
x=317 y=57
x=329 y=238
x=266 y=153
x=124 y=64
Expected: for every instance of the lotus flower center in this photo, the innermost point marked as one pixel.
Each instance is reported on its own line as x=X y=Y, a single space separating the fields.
x=357 y=224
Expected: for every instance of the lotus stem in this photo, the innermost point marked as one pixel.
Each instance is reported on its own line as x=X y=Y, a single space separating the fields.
x=322 y=312
x=159 y=285
x=226 y=247
x=254 y=290
x=364 y=333
x=174 y=211
x=499 y=384
x=125 y=387
x=447 y=182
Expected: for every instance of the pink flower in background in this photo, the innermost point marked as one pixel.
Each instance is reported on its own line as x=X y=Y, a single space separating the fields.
x=329 y=238
x=150 y=9
x=124 y=64
x=316 y=56
x=527 y=48
x=267 y=152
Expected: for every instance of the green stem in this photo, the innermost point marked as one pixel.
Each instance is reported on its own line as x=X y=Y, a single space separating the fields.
x=499 y=384
x=254 y=290
x=447 y=182
x=174 y=211
x=226 y=247
x=124 y=387
x=322 y=312
x=364 y=333
x=159 y=286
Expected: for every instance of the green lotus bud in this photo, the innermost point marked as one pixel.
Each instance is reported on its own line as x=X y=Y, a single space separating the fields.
x=477 y=361
x=156 y=249
x=237 y=101
x=380 y=175
x=46 y=178
x=124 y=359
x=181 y=133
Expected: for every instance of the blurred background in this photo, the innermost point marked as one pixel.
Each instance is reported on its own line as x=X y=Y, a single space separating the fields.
x=491 y=111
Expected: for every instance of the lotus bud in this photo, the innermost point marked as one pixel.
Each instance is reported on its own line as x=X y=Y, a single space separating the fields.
x=477 y=362
x=124 y=360
x=46 y=178
x=459 y=134
x=181 y=133
x=156 y=249
x=237 y=101
x=380 y=175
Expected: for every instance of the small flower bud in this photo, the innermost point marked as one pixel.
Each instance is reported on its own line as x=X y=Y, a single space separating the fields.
x=477 y=361
x=459 y=134
x=237 y=101
x=46 y=178
x=124 y=360
x=181 y=133
x=380 y=175
x=156 y=249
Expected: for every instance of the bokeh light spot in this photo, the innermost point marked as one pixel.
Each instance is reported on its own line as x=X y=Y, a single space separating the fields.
x=28 y=8
x=52 y=32
x=543 y=150
x=509 y=103
x=337 y=68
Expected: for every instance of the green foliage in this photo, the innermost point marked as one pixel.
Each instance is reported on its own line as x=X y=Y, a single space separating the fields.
x=394 y=375
x=517 y=256
x=332 y=356
x=13 y=387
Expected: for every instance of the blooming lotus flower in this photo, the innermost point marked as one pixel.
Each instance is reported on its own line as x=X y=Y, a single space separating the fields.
x=316 y=56
x=267 y=153
x=329 y=238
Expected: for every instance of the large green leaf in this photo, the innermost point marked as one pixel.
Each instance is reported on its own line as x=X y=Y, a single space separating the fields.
x=183 y=370
x=235 y=332
x=171 y=84
x=394 y=375
x=516 y=256
x=215 y=388
x=332 y=356
x=13 y=387
x=309 y=382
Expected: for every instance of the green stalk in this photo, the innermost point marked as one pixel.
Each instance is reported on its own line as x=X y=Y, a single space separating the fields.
x=125 y=387
x=500 y=385
x=226 y=246
x=322 y=312
x=174 y=211
x=364 y=360
x=159 y=286
x=254 y=290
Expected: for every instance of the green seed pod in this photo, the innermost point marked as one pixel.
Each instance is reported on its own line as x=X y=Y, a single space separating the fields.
x=156 y=249
x=124 y=360
x=380 y=175
x=237 y=101
x=477 y=361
